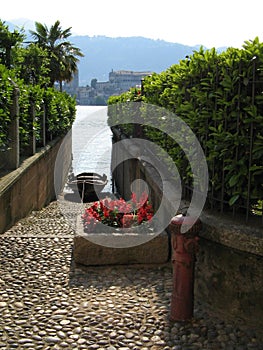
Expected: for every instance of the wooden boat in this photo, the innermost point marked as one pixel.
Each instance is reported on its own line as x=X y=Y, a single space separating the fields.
x=88 y=184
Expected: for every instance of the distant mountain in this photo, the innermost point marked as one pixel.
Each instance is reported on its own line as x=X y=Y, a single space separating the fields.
x=102 y=54
x=18 y=23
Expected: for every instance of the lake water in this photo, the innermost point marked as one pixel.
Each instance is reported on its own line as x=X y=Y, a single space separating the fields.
x=92 y=142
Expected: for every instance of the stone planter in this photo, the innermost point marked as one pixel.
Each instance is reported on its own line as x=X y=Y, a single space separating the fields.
x=119 y=248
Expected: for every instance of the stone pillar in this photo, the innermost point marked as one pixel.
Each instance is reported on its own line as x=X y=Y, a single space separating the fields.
x=43 y=126
x=32 y=137
x=12 y=154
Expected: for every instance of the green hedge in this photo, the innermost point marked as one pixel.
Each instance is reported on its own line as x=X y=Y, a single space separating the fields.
x=6 y=91
x=60 y=109
x=220 y=96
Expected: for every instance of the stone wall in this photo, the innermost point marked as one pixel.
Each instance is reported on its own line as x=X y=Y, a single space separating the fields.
x=229 y=267
x=31 y=186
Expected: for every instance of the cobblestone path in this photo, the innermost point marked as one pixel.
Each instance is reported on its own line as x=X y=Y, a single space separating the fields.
x=46 y=302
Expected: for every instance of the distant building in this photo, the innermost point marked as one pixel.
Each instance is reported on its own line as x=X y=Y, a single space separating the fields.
x=123 y=80
x=119 y=82
x=73 y=85
x=84 y=95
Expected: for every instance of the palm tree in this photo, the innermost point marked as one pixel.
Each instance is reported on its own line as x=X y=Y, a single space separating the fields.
x=62 y=54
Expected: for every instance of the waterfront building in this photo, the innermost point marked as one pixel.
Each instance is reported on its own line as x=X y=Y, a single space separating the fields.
x=119 y=82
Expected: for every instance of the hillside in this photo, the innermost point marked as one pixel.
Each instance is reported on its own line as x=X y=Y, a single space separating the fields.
x=102 y=54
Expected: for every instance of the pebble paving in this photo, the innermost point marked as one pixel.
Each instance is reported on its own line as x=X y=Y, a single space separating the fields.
x=47 y=302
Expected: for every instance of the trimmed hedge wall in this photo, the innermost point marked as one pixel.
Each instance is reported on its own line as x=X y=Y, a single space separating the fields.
x=220 y=97
x=59 y=107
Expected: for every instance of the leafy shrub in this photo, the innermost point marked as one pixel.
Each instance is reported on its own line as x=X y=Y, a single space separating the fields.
x=220 y=97
x=6 y=91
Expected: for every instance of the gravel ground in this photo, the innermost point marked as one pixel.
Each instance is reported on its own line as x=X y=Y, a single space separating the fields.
x=46 y=302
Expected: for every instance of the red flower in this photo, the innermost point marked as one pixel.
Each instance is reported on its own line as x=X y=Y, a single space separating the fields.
x=134 y=198
x=112 y=212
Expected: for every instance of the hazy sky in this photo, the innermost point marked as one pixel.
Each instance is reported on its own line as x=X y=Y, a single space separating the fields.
x=190 y=22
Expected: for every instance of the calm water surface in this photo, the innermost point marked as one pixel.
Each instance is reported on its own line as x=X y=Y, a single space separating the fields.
x=92 y=142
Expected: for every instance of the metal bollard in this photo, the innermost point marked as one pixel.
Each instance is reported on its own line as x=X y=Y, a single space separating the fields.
x=184 y=248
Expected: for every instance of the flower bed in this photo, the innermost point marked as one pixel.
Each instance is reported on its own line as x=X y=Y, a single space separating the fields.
x=118 y=213
x=120 y=249
x=119 y=232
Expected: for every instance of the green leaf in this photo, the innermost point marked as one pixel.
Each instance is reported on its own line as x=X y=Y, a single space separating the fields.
x=233 y=199
x=233 y=180
x=256 y=167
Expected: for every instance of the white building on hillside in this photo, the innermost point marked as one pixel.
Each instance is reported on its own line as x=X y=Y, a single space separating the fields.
x=124 y=79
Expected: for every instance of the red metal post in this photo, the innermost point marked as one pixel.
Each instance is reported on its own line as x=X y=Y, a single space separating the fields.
x=184 y=248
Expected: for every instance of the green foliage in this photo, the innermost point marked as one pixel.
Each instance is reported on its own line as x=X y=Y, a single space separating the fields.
x=220 y=97
x=60 y=108
x=30 y=73
x=8 y=42
x=33 y=65
x=120 y=102
x=6 y=91
x=134 y=94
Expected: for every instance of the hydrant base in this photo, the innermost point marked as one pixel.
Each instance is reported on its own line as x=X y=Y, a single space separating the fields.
x=183 y=260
